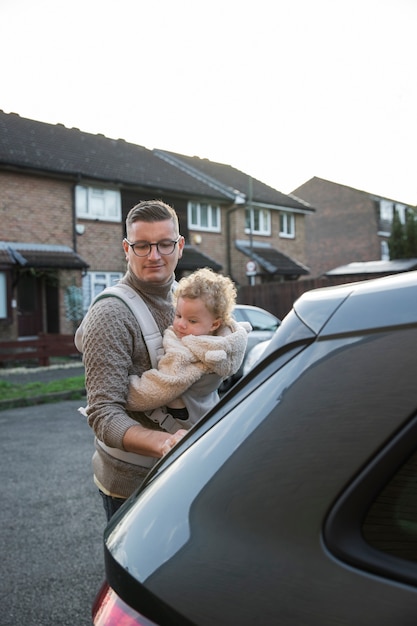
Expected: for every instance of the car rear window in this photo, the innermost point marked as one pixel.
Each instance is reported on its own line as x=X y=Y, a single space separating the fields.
x=391 y=523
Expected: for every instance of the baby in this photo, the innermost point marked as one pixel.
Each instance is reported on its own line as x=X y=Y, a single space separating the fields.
x=203 y=346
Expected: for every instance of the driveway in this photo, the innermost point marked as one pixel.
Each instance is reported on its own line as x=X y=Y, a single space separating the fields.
x=51 y=517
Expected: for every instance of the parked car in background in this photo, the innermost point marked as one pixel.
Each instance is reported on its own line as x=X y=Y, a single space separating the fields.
x=294 y=501
x=254 y=356
x=264 y=325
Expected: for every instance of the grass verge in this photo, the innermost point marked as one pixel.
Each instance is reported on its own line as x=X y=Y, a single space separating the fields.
x=11 y=391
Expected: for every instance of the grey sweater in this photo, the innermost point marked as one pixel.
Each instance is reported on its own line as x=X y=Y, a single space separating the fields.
x=113 y=349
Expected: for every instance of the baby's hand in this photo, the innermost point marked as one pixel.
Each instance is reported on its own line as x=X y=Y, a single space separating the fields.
x=172 y=441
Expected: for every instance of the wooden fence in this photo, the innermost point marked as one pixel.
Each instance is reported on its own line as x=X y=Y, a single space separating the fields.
x=40 y=348
x=278 y=298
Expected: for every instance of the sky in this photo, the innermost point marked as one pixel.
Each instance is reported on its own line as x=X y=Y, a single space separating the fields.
x=283 y=90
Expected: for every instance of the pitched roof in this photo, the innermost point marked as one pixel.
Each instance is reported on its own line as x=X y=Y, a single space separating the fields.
x=192 y=259
x=270 y=259
x=40 y=256
x=323 y=182
x=69 y=152
x=235 y=181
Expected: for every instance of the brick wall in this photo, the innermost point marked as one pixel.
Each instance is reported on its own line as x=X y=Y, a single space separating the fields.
x=35 y=209
x=215 y=245
x=343 y=229
x=294 y=248
x=101 y=246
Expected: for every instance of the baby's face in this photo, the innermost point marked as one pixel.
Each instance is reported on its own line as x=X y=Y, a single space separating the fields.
x=193 y=318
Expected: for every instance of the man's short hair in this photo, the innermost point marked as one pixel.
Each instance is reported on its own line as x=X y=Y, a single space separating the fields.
x=152 y=211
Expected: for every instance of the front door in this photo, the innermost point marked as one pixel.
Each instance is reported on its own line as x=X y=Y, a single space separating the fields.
x=29 y=305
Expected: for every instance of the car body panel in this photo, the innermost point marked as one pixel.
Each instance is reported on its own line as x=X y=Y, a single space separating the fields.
x=237 y=524
x=365 y=306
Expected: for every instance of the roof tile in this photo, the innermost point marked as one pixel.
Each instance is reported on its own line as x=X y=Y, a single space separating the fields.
x=35 y=145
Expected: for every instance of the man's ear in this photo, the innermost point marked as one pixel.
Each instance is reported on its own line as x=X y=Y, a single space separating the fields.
x=180 y=245
x=126 y=249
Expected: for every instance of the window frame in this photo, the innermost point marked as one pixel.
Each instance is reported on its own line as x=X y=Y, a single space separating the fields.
x=4 y=304
x=343 y=527
x=87 y=199
x=195 y=217
x=92 y=281
x=258 y=221
x=286 y=225
x=384 y=251
x=396 y=506
x=387 y=208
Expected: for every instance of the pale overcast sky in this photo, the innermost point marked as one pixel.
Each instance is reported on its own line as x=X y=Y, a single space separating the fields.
x=282 y=89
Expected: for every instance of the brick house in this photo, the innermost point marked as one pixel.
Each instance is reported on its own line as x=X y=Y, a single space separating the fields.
x=64 y=197
x=348 y=225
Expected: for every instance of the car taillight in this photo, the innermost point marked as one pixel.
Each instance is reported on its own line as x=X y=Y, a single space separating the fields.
x=110 y=610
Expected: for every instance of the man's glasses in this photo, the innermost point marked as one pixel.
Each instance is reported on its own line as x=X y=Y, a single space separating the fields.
x=143 y=248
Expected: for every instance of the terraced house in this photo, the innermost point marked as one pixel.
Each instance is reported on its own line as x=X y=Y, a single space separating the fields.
x=349 y=232
x=64 y=197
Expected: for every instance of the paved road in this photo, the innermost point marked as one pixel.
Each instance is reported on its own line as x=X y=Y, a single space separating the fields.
x=52 y=520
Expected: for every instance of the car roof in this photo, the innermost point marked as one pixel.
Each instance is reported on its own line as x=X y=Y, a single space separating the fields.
x=249 y=306
x=252 y=307
x=366 y=305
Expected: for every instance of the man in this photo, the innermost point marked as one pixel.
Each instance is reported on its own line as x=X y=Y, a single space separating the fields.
x=129 y=443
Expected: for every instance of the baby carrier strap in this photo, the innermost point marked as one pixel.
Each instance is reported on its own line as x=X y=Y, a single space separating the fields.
x=145 y=319
x=151 y=335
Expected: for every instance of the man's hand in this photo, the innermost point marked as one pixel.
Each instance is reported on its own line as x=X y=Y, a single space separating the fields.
x=172 y=441
x=153 y=443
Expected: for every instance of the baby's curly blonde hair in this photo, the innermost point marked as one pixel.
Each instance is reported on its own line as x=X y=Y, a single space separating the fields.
x=218 y=292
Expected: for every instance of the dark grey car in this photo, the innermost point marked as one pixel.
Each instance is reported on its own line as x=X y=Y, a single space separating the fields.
x=294 y=501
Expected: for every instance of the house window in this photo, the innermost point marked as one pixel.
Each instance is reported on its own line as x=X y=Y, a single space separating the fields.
x=203 y=216
x=384 y=251
x=401 y=209
x=286 y=225
x=95 y=282
x=386 y=211
x=258 y=221
x=94 y=203
x=3 y=296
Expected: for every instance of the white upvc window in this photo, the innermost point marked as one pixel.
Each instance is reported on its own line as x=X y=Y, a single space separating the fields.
x=95 y=282
x=258 y=221
x=386 y=211
x=286 y=225
x=98 y=203
x=3 y=296
x=384 y=251
x=401 y=209
x=203 y=216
